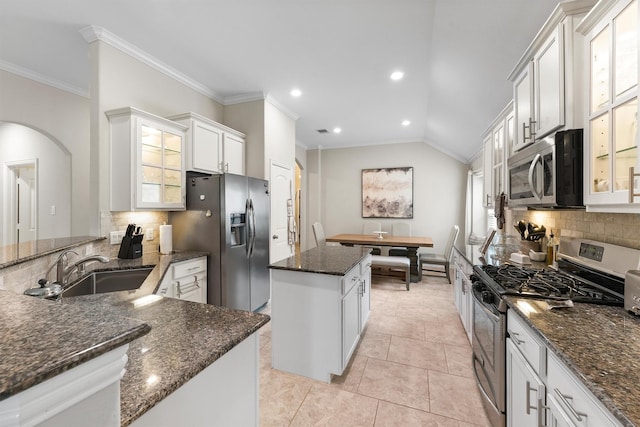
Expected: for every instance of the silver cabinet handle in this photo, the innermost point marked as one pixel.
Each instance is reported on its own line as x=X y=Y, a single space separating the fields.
x=529 y=390
x=514 y=337
x=178 y=290
x=565 y=400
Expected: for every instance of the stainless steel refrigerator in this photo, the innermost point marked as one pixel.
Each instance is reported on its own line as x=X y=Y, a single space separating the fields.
x=228 y=216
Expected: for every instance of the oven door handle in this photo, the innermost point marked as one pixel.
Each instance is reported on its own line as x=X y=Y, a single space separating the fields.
x=491 y=314
x=477 y=378
x=532 y=168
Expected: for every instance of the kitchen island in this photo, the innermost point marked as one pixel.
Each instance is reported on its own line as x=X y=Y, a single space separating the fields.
x=320 y=301
x=182 y=341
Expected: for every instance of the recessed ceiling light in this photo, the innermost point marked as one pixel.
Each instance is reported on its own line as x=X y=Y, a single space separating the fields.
x=406 y=122
x=296 y=92
x=337 y=130
x=397 y=75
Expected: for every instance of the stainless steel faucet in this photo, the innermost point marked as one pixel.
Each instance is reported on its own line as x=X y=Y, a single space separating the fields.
x=64 y=270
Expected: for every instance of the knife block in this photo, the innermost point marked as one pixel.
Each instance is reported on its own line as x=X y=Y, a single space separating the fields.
x=131 y=247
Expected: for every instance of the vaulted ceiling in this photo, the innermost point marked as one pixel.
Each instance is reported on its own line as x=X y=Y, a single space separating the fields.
x=455 y=55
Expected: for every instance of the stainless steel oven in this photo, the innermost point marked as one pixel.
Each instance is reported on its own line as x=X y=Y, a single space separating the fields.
x=489 y=344
x=548 y=173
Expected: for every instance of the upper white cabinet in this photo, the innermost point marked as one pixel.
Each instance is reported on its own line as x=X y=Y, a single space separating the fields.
x=212 y=147
x=611 y=137
x=146 y=161
x=546 y=88
x=495 y=141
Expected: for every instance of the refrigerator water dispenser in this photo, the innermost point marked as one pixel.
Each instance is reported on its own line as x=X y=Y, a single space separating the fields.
x=237 y=223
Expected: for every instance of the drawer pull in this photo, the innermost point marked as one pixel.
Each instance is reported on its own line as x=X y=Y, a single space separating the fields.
x=197 y=267
x=566 y=400
x=514 y=337
x=529 y=390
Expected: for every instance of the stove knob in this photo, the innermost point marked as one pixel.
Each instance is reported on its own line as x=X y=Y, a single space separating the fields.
x=487 y=297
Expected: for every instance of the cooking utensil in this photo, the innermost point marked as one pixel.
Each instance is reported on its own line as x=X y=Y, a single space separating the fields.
x=521 y=227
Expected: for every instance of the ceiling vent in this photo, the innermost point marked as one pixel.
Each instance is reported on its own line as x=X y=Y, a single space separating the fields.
x=323 y=131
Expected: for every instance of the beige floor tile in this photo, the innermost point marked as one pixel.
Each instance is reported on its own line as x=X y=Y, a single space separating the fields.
x=453 y=334
x=418 y=353
x=350 y=378
x=326 y=406
x=391 y=415
x=281 y=394
x=396 y=383
x=413 y=311
x=265 y=352
x=374 y=344
x=459 y=360
x=392 y=325
x=456 y=397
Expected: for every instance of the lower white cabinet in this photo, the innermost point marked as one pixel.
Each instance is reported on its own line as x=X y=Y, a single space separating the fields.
x=223 y=394
x=570 y=402
x=186 y=280
x=540 y=388
x=462 y=292
x=317 y=319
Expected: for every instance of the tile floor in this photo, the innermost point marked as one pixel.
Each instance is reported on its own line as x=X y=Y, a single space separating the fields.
x=411 y=368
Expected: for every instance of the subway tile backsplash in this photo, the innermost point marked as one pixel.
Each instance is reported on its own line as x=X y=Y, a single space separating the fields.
x=619 y=229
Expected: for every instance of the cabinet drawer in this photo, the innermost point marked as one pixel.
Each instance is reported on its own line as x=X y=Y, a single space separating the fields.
x=573 y=398
x=188 y=268
x=365 y=264
x=522 y=336
x=191 y=288
x=350 y=279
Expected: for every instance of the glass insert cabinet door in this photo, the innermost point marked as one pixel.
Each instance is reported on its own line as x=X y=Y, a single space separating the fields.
x=161 y=159
x=613 y=104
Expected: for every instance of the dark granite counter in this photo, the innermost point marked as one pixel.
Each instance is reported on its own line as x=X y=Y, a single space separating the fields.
x=183 y=339
x=334 y=260
x=41 y=338
x=600 y=344
x=27 y=251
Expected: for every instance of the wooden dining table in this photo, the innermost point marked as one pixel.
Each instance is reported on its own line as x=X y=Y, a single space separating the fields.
x=412 y=243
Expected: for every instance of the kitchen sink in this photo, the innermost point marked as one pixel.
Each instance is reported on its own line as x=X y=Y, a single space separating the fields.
x=100 y=282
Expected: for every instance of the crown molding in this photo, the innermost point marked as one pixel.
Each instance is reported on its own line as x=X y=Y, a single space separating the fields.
x=271 y=100
x=41 y=78
x=93 y=33
x=244 y=97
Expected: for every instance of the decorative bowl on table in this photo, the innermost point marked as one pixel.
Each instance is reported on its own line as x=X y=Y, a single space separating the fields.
x=380 y=234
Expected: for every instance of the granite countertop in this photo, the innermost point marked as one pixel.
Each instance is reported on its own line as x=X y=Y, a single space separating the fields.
x=185 y=337
x=334 y=260
x=27 y=251
x=182 y=338
x=600 y=344
x=42 y=338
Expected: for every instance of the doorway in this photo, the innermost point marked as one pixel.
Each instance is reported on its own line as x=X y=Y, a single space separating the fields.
x=297 y=204
x=20 y=201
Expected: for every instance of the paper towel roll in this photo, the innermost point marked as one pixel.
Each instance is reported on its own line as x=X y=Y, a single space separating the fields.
x=166 y=239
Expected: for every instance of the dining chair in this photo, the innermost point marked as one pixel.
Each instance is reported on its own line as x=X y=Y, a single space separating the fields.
x=321 y=238
x=400 y=229
x=368 y=228
x=439 y=259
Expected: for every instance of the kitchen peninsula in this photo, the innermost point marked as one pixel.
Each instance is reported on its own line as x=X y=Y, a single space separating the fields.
x=189 y=349
x=320 y=302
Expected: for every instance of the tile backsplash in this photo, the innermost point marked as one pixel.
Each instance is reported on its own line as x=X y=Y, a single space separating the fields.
x=118 y=221
x=619 y=229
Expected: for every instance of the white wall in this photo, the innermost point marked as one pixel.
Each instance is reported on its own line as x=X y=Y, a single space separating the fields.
x=280 y=137
x=64 y=117
x=249 y=118
x=439 y=188
x=301 y=159
x=53 y=182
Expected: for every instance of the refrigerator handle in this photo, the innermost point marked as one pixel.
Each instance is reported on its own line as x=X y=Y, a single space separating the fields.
x=247 y=210
x=253 y=226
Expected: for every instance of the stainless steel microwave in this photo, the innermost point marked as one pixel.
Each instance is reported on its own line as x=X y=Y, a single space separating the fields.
x=548 y=174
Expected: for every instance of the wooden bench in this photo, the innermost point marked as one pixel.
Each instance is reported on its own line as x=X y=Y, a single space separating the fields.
x=392 y=263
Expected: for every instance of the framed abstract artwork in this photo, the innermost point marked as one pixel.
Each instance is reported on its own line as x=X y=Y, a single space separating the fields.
x=387 y=193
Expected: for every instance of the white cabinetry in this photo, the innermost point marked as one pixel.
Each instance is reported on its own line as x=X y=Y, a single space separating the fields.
x=212 y=147
x=495 y=155
x=525 y=364
x=541 y=390
x=547 y=89
x=462 y=292
x=317 y=319
x=611 y=137
x=186 y=280
x=146 y=161
x=570 y=402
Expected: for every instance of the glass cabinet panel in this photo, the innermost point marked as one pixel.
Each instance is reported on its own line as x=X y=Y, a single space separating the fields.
x=626 y=49
x=600 y=70
x=599 y=131
x=625 y=141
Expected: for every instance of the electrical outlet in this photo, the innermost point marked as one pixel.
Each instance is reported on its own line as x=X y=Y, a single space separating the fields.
x=149 y=233
x=115 y=237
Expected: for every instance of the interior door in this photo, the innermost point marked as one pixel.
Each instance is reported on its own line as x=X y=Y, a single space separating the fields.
x=281 y=179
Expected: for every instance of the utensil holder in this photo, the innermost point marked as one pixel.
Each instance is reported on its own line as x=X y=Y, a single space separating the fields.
x=131 y=247
x=527 y=245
